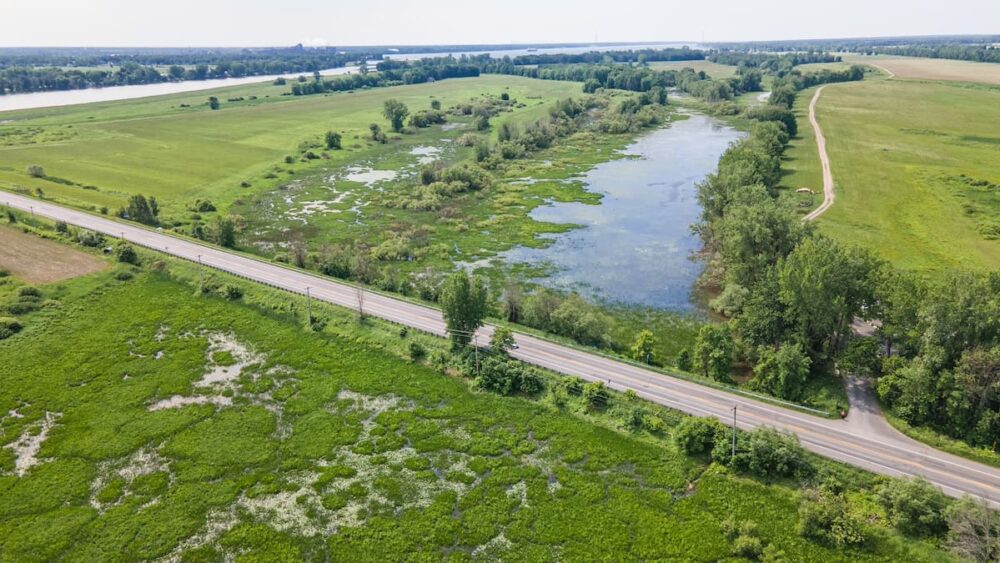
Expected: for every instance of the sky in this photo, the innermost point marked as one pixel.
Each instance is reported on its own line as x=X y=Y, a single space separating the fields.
x=233 y=23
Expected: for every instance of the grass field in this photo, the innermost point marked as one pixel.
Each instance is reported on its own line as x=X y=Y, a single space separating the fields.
x=36 y=260
x=932 y=69
x=714 y=70
x=800 y=166
x=916 y=170
x=146 y=422
x=159 y=147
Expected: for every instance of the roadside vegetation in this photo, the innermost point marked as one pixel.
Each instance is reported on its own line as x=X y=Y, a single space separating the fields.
x=202 y=417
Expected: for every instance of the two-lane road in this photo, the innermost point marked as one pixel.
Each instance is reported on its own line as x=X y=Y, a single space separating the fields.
x=870 y=447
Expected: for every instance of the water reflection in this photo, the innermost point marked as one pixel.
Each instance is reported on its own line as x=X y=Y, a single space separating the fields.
x=635 y=247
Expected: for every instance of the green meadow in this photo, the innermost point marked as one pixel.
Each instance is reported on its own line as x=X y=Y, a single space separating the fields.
x=147 y=421
x=916 y=169
x=176 y=149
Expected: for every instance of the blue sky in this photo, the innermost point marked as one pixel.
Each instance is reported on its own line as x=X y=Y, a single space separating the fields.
x=334 y=22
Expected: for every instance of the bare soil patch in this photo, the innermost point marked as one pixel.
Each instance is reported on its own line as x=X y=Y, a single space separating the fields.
x=36 y=260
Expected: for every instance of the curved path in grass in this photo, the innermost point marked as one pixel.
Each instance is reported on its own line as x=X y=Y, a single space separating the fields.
x=847 y=441
x=824 y=160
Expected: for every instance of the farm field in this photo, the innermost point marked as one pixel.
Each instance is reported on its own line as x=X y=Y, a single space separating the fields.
x=153 y=423
x=916 y=169
x=36 y=260
x=932 y=69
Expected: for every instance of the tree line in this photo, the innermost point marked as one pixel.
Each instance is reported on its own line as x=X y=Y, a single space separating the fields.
x=41 y=72
x=390 y=73
x=791 y=295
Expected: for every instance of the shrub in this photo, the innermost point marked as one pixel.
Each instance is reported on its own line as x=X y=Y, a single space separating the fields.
x=9 y=327
x=684 y=360
x=232 y=292
x=35 y=171
x=695 y=436
x=29 y=292
x=4 y=272
x=417 y=351
x=825 y=518
x=62 y=227
x=765 y=452
x=124 y=275
x=333 y=140
x=596 y=395
x=748 y=547
x=126 y=254
x=914 y=506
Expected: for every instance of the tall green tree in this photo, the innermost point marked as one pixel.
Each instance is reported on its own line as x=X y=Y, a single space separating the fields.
x=713 y=351
x=782 y=372
x=464 y=302
x=395 y=111
x=823 y=286
x=642 y=347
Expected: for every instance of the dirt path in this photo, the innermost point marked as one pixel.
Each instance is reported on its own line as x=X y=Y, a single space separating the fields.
x=828 y=194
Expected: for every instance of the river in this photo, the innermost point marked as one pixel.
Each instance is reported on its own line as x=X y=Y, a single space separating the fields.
x=34 y=100
x=636 y=246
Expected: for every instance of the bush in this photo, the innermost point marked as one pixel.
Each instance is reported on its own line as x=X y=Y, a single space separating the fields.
x=914 y=506
x=825 y=518
x=333 y=140
x=748 y=547
x=684 y=360
x=35 y=171
x=695 y=436
x=29 y=292
x=596 y=395
x=417 y=351
x=9 y=327
x=62 y=227
x=124 y=275
x=126 y=254
x=765 y=452
x=4 y=272
x=232 y=292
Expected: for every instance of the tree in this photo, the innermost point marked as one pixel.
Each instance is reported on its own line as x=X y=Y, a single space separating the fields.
x=502 y=340
x=713 y=351
x=513 y=302
x=333 y=140
x=684 y=360
x=225 y=232
x=35 y=171
x=974 y=530
x=642 y=347
x=395 y=111
x=377 y=134
x=464 y=302
x=824 y=286
x=914 y=506
x=435 y=105
x=141 y=210
x=782 y=373
x=213 y=102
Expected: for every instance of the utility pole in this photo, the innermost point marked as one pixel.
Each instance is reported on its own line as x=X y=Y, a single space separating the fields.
x=309 y=317
x=734 y=434
x=475 y=344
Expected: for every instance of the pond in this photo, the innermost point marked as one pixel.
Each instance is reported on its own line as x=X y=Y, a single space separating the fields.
x=636 y=246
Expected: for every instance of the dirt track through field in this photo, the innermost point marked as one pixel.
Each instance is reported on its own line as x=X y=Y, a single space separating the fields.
x=828 y=194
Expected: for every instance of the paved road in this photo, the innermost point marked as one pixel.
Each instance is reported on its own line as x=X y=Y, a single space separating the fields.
x=855 y=441
x=824 y=160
